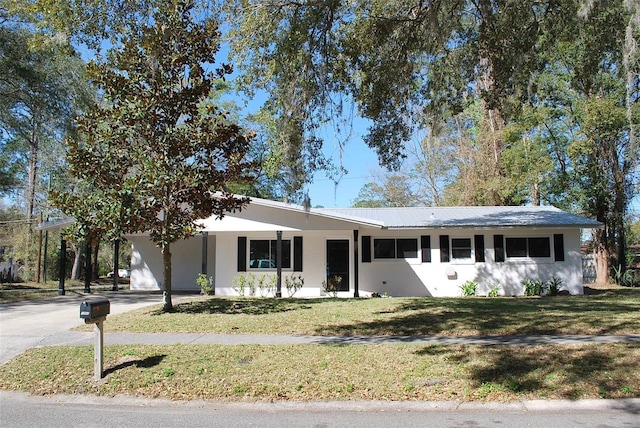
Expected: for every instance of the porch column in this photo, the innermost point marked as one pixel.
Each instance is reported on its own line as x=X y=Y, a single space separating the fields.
x=205 y=251
x=63 y=266
x=279 y=263
x=356 y=292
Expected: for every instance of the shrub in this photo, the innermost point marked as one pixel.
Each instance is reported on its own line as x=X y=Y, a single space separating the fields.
x=239 y=283
x=293 y=283
x=533 y=287
x=469 y=288
x=332 y=285
x=206 y=284
x=553 y=286
x=494 y=292
x=266 y=284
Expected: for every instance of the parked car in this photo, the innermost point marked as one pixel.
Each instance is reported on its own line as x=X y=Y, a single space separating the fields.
x=122 y=273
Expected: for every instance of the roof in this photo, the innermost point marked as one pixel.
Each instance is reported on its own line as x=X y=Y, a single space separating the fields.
x=469 y=217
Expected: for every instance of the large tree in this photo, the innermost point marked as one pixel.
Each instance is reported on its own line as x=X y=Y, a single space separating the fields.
x=157 y=154
x=42 y=88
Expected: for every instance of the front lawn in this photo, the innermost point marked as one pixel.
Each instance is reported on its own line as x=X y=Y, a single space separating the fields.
x=612 y=312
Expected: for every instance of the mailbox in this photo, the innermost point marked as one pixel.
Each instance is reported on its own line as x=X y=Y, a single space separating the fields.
x=92 y=309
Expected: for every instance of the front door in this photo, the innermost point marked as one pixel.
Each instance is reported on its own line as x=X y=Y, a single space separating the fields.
x=338 y=263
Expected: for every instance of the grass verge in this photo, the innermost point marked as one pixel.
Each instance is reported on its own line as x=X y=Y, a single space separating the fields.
x=333 y=372
x=607 y=313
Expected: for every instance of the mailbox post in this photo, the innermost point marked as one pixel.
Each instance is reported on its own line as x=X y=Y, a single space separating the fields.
x=95 y=312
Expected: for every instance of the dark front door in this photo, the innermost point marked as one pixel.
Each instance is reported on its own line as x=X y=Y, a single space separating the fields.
x=338 y=263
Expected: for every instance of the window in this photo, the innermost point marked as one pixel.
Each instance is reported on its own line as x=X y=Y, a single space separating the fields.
x=395 y=248
x=460 y=248
x=262 y=254
x=384 y=248
x=407 y=248
x=528 y=247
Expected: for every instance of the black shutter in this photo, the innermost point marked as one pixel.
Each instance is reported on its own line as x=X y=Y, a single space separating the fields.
x=498 y=246
x=558 y=247
x=366 y=249
x=425 y=245
x=444 y=248
x=242 y=253
x=479 y=248
x=297 y=253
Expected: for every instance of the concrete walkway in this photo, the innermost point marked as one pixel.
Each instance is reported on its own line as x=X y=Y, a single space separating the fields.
x=47 y=322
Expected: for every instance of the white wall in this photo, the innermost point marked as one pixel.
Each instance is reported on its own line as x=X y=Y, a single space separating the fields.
x=147 y=271
x=397 y=277
x=411 y=277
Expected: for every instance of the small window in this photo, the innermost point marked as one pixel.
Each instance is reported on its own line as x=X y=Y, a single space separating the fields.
x=263 y=254
x=460 y=248
x=528 y=247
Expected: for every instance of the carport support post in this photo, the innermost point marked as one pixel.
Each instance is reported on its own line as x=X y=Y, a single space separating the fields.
x=205 y=236
x=63 y=266
x=87 y=268
x=116 y=263
x=356 y=292
x=98 y=345
x=279 y=263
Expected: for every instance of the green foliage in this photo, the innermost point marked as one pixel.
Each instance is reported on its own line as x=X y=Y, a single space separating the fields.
x=533 y=287
x=293 y=283
x=494 y=291
x=542 y=288
x=241 y=282
x=469 y=288
x=624 y=277
x=156 y=155
x=206 y=284
x=331 y=286
x=266 y=284
x=553 y=286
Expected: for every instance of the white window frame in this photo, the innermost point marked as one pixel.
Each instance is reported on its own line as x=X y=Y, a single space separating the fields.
x=463 y=260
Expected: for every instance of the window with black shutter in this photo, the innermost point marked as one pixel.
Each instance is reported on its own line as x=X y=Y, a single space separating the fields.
x=444 y=248
x=242 y=253
x=425 y=246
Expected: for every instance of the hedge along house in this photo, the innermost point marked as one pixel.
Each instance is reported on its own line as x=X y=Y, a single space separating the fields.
x=397 y=251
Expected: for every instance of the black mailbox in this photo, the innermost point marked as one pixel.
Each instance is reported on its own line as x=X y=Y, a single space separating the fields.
x=91 y=309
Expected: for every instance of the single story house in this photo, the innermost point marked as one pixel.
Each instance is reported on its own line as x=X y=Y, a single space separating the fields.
x=361 y=251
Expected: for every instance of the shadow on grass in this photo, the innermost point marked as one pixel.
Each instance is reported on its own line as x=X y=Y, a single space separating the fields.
x=139 y=363
x=491 y=316
x=545 y=371
x=245 y=306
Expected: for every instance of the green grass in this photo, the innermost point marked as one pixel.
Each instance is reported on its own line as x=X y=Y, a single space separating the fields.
x=334 y=372
x=359 y=371
x=608 y=313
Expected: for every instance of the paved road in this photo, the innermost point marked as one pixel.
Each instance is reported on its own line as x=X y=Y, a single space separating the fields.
x=20 y=410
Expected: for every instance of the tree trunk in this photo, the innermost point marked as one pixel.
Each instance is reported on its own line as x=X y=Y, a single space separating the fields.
x=31 y=189
x=96 y=249
x=601 y=257
x=167 y=304
x=75 y=270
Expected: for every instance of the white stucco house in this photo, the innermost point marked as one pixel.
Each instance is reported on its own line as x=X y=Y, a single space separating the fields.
x=394 y=251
